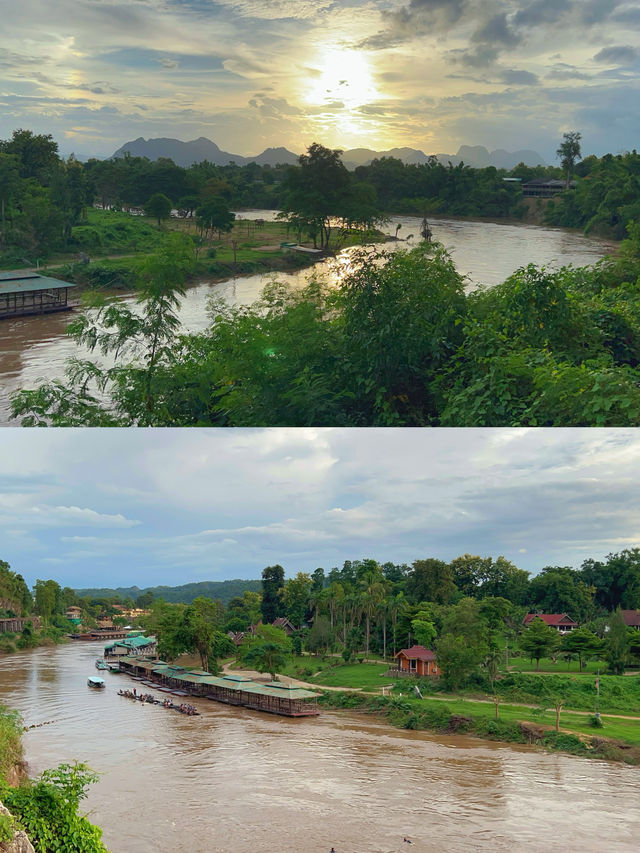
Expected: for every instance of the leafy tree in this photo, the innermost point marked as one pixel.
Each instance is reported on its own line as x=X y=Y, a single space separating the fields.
x=569 y=152
x=37 y=154
x=267 y=651
x=431 y=580
x=45 y=593
x=616 y=580
x=159 y=207
x=321 y=636
x=539 y=640
x=583 y=643
x=271 y=605
x=149 y=336
x=295 y=597
x=457 y=659
x=202 y=620
x=214 y=215
x=617 y=644
x=315 y=192
x=560 y=589
x=423 y=629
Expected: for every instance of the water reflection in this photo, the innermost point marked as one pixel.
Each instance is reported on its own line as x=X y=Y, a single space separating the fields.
x=35 y=349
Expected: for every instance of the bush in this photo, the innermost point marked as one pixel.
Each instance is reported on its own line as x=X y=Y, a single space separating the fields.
x=211 y=253
x=48 y=810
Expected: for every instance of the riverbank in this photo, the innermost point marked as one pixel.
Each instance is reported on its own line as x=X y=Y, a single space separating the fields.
x=521 y=715
x=458 y=718
x=119 y=243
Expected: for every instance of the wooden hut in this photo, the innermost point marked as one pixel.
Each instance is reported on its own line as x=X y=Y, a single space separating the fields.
x=24 y=293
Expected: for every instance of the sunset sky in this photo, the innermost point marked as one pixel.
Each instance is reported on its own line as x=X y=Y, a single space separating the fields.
x=149 y=507
x=248 y=74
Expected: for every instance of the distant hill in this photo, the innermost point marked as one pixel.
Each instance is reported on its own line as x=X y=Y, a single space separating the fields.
x=471 y=155
x=187 y=153
x=224 y=590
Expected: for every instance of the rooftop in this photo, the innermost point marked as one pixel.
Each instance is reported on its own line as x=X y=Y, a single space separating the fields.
x=24 y=282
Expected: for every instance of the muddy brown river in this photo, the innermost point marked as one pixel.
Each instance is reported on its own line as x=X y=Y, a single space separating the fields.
x=35 y=349
x=239 y=780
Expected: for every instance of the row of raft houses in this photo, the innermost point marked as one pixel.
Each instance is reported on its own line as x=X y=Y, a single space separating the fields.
x=136 y=656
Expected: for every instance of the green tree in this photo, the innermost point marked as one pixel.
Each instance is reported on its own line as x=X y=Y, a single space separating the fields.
x=202 y=620
x=45 y=594
x=539 y=640
x=568 y=152
x=133 y=389
x=583 y=643
x=431 y=580
x=315 y=192
x=295 y=598
x=271 y=605
x=617 y=644
x=214 y=215
x=267 y=651
x=159 y=207
x=321 y=637
x=457 y=659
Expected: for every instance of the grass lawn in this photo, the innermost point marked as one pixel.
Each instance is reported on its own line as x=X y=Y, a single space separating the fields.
x=624 y=730
x=560 y=667
x=334 y=673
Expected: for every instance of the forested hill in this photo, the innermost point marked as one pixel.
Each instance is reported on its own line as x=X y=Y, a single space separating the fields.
x=224 y=590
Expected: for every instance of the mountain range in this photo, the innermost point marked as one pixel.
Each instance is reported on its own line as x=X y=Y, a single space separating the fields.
x=224 y=590
x=186 y=153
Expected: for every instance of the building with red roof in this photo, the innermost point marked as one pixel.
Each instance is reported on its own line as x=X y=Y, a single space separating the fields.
x=560 y=621
x=631 y=618
x=417 y=661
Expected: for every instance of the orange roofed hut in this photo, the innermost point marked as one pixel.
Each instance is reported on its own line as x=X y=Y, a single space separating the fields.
x=417 y=661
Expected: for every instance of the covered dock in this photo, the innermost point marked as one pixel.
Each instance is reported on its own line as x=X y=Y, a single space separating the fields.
x=273 y=697
x=24 y=293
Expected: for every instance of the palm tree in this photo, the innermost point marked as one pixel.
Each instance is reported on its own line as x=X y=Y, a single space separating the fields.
x=373 y=591
x=397 y=606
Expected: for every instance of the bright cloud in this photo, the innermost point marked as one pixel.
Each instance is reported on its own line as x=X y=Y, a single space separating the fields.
x=380 y=73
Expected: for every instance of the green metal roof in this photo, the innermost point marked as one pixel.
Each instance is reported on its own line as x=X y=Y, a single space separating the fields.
x=24 y=282
x=134 y=642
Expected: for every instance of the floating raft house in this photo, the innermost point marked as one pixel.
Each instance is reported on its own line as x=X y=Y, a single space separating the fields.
x=23 y=293
x=274 y=697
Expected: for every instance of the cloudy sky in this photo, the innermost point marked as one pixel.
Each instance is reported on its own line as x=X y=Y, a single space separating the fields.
x=429 y=74
x=147 y=507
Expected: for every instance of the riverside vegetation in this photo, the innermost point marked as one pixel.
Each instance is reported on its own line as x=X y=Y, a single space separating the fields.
x=399 y=341
x=578 y=692
x=47 y=807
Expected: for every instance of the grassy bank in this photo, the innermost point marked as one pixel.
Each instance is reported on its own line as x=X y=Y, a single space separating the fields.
x=526 y=705
x=621 y=743
x=118 y=242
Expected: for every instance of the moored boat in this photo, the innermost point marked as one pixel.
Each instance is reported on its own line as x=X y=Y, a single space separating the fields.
x=94 y=681
x=100 y=664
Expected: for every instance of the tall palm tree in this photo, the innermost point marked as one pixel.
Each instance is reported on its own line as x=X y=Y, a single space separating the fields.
x=373 y=590
x=397 y=606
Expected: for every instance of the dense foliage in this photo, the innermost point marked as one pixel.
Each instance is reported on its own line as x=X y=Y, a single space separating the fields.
x=47 y=809
x=399 y=342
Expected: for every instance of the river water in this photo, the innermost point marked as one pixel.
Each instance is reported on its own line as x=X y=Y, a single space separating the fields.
x=35 y=349
x=239 y=780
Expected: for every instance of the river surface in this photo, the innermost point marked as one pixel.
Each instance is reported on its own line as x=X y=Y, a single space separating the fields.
x=34 y=349
x=239 y=780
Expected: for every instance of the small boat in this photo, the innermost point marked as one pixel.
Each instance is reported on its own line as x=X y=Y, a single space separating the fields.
x=113 y=667
x=94 y=681
x=100 y=664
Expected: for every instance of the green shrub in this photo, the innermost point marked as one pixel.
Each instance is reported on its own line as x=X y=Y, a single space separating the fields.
x=48 y=811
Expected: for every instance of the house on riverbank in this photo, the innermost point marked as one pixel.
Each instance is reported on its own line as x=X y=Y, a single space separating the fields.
x=23 y=293
x=145 y=646
x=417 y=661
x=560 y=621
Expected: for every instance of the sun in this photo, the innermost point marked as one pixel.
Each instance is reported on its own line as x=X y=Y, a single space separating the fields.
x=345 y=76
